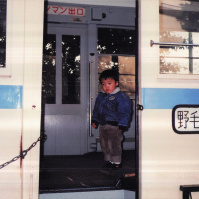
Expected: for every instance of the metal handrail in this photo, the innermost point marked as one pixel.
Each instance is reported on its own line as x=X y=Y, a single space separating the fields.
x=171 y=44
x=90 y=99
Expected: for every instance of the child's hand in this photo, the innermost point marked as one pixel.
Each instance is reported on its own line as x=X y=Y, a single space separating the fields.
x=94 y=125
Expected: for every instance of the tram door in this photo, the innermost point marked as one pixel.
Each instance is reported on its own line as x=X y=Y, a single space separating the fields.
x=65 y=88
x=75 y=53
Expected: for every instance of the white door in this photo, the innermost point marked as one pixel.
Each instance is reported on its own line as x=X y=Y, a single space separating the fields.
x=65 y=87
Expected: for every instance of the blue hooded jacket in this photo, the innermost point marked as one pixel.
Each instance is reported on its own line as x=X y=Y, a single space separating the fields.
x=114 y=108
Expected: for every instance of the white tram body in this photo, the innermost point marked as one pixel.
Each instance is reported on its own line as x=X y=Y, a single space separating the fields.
x=168 y=148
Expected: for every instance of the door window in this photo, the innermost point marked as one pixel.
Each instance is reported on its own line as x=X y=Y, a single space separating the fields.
x=179 y=21
x=49 y=69
x=70 y=69
x=68 y=75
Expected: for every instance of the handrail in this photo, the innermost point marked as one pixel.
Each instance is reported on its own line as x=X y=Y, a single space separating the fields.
x=90 y=99
x=171 y=44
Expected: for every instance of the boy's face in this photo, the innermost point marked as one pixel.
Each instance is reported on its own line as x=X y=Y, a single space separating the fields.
x=109 y=85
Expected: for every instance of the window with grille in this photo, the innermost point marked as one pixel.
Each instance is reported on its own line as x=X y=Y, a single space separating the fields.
x=179 y=37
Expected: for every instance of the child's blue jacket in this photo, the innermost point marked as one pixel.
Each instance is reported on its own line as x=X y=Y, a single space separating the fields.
x=114 y=108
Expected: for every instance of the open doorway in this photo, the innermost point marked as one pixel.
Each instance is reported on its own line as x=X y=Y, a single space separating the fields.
x=77 y=48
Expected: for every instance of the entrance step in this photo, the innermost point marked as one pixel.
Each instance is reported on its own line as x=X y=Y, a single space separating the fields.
x=116 y=194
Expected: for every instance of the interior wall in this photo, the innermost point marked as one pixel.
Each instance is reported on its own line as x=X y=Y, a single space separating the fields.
x=124 y=3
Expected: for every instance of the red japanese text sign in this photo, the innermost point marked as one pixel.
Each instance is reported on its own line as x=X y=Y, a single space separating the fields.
x=63 y=10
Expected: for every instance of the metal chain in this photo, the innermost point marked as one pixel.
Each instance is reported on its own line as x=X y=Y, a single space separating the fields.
x=24 y=152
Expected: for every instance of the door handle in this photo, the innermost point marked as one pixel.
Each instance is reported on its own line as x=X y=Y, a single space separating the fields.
x=140 y=107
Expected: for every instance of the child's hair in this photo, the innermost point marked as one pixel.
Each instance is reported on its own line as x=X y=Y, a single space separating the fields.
x=109 y=73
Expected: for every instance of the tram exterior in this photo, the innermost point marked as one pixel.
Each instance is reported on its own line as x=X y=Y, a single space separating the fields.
x=20 y=99
x=167 y=159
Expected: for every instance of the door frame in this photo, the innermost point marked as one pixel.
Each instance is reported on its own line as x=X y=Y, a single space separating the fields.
x=92 y=52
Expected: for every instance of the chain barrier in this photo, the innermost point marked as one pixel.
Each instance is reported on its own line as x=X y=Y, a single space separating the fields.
x=24 y=152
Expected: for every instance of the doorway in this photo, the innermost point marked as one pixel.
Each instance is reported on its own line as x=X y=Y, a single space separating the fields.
x=76 y=50
x=67 y=89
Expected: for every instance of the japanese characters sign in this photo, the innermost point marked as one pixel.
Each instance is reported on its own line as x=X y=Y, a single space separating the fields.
x=185 y=119
x=63 y=10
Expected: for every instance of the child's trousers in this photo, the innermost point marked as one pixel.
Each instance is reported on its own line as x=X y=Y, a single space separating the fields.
x=111 y=142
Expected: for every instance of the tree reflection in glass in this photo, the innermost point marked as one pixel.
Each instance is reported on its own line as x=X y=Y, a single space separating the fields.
x=179 y=22
x=49 y=70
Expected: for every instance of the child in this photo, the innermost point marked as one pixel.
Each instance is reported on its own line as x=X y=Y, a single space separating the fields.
x=112 y=111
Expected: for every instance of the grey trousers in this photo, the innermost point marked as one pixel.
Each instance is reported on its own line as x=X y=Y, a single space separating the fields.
x=110 y=141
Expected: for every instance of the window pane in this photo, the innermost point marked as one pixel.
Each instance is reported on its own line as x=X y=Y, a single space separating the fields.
x=126 y=67
x=179 y=22
x=116 y=41
x=49 y=69
x=3 y=5
x=127 y=74
x=70 y=69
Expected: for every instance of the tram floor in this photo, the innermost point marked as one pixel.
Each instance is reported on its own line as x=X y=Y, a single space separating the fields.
x=85 y=173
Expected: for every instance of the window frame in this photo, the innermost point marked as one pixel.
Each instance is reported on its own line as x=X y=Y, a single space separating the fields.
x=155 y=44
x=7 y=71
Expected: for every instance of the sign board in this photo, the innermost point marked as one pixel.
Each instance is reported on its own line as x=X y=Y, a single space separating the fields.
x=65 y=10
x=185 y=119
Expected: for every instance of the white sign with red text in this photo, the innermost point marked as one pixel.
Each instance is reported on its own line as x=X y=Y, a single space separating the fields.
x=63 y=10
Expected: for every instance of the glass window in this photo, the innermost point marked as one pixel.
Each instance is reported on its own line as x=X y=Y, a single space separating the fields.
x=70 y=69
x=70 y=79
x=49 y=69
x=116 y=41
x=179 y=22
x=117 y=49
x=3 y=5
x=126 y=67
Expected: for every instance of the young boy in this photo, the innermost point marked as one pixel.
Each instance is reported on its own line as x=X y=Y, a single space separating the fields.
x=112 y=111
